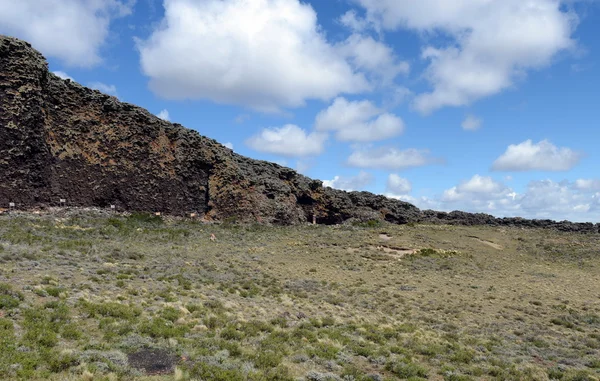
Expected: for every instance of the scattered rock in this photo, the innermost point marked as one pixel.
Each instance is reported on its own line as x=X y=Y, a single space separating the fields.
x=153 y=361
x=301 y=315
x=407 y=288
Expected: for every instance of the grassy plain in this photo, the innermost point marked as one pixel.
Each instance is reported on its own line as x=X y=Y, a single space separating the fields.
x=92 y=296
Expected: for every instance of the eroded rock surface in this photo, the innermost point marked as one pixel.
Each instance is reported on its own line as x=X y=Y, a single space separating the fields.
x=60 y=140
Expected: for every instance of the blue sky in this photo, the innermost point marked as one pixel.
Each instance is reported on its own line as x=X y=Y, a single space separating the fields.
x=484 y=106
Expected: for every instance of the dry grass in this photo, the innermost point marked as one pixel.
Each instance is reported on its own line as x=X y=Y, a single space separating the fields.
x=82 y=292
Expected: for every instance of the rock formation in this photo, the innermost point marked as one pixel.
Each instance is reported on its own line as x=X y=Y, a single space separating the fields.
x=60 y=140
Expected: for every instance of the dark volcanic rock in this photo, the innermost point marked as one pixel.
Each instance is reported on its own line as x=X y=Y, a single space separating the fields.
x=60 y=140
x=153 y=361
x=469 y=219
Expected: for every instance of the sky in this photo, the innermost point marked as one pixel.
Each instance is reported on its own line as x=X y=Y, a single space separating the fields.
x=485 y=106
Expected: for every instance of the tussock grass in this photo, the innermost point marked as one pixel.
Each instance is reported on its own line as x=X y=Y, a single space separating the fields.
x=81 y=293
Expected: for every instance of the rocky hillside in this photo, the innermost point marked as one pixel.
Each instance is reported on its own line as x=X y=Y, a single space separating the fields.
x=60 y=140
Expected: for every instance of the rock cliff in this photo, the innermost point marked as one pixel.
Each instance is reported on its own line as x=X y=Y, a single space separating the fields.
x=60 y=140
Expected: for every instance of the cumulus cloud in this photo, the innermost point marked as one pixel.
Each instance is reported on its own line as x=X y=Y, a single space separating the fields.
x=71 y=30
x=546 y=198
x=493 y=42
x=374 y=57
x=477 y=188
x=352 y=21
x=542 y=156
x=164 y=115
x=471 y=123
x=229 y=145
x=264 y=54
x=541 y=199
x=103 y=87
x=390 y=158
x=398 y=185
x=357 y=182
x=289 y=140
x=587 y=185
x=63 y=75
x=358 y=121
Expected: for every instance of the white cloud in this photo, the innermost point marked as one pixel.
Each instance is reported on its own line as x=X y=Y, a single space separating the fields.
x=289 y=140
x=63 y=75
x=398 y=185
x=397 y=96
x=547 y=198
x=358 y=121
x=590 y=185
x=541 y=199
x=103 y=87
x=164 y=115
x=264 y=54
x=543 y=156
x=358 y=182
x=420 y=202
x=302 y=166
x=242 y=118
x=374 y=57
x=71 y=30
x=477 y=188
x=352 y=21
x=229 y=145
x=390 y=158
x=471 y=123
x=493 y=42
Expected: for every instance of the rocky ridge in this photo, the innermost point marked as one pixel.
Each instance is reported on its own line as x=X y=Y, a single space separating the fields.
x=60 y=140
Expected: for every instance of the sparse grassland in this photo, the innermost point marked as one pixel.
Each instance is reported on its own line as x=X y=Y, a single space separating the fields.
x=89 y=296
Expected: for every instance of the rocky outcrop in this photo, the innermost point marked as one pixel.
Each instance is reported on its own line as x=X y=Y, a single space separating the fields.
x=471 y=219
x=60 y=140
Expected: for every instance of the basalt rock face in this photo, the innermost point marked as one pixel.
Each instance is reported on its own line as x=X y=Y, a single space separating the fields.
x=471 y=219
x=60 y=140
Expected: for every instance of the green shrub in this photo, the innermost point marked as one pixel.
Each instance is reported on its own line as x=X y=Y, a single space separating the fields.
x=58 y=362
x=71 y=332
x=54 y=291
x=144 y=219
x=255 y=327
x=161 y=328
x=463 y=356
x=115 y=222
x=565 y=321
x=369 y=224
x=231 y=333
x=205 y=371
x=8 y=298
x=427 y=252
x=457 y=377
x=170 y=313
x=579 y=375
x=268 y=359
x=43 y=325
x=406 y=369
x=110 y=309
x=323 y=351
